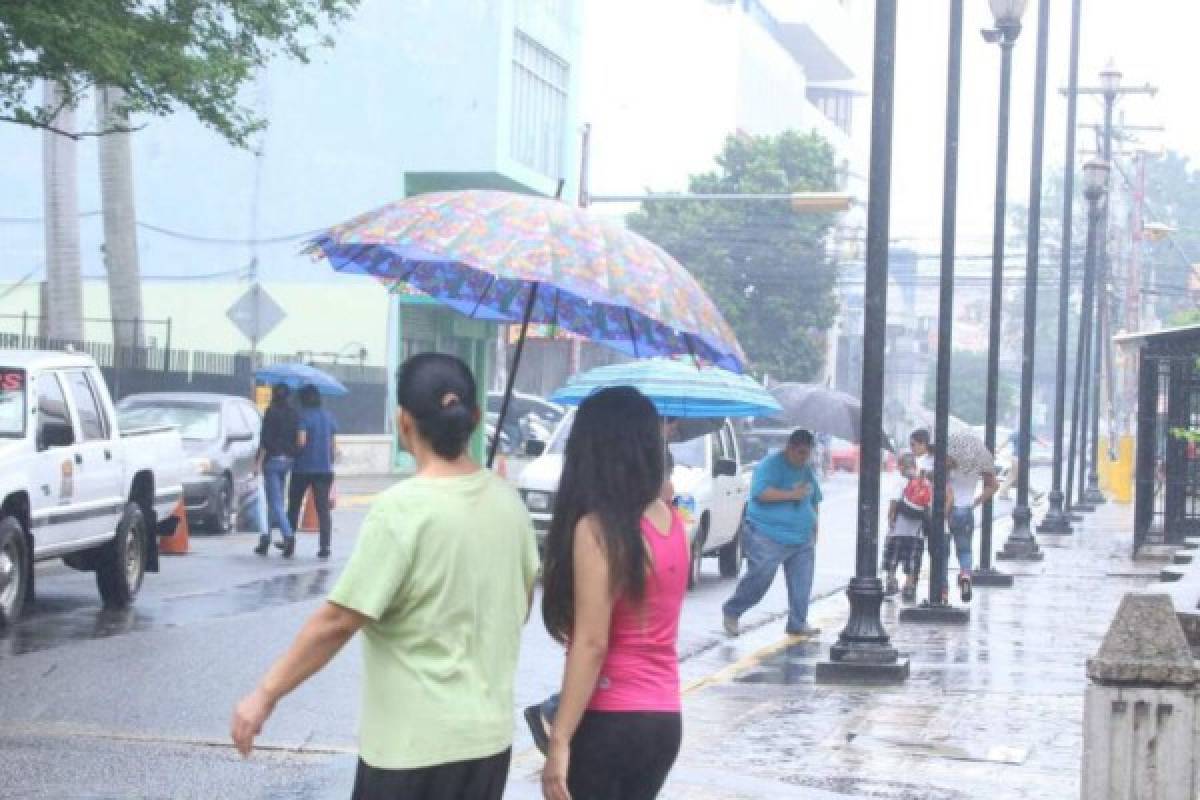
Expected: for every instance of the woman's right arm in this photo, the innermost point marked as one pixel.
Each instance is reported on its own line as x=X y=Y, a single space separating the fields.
x=589 y=647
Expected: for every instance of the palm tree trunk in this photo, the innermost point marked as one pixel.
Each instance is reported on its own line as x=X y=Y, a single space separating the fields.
x=64 y=289
x=120 y=223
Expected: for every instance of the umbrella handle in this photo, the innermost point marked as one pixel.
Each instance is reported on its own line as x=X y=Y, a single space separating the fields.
x=512 y=374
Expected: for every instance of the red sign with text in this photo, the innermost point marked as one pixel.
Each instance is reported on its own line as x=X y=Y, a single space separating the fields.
x=12 y=380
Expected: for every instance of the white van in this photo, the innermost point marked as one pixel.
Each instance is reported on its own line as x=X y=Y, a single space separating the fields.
x=711 y=489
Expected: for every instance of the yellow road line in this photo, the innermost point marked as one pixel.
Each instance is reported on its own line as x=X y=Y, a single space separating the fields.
x=743 y=664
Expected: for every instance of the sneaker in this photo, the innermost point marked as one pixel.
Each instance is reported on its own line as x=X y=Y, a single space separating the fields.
x=264 y=542
x=892 y=587
x=289 y=547
x=964 y=587
x=731 y=625
x=807 y=631
x=323 y=552
x=537 y=728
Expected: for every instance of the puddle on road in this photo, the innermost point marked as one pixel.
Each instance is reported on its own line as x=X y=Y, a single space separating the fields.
x=53 y=622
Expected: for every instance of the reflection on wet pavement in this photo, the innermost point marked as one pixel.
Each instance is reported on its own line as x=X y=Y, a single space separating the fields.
x=53 y=622
x=995 y=703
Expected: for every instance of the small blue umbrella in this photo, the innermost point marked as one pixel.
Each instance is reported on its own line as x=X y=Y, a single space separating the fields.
x=678 y=388
x=295 y=376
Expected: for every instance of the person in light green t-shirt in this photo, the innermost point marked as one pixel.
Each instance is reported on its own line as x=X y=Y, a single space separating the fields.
x=440 y=582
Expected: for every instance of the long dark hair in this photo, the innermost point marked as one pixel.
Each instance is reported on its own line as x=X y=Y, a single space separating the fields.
x=439 y=392
x=612 y=469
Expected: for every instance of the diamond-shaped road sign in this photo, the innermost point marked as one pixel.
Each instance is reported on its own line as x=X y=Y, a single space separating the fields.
x=255 y=313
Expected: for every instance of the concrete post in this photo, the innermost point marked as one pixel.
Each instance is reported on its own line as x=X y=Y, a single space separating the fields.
x=1140 y=710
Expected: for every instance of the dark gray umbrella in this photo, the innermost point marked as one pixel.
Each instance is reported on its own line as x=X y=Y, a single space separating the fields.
x=819 y=409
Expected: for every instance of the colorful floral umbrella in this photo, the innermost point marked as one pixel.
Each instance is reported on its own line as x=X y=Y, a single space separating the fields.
x=515 y=258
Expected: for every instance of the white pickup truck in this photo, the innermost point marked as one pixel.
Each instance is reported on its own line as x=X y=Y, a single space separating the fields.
x=72 y=485
x=711 y=490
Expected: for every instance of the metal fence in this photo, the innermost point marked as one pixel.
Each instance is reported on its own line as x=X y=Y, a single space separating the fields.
x=134 y=370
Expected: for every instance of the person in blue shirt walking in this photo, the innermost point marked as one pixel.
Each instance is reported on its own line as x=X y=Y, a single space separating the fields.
x=781 y=525
x=314 y=465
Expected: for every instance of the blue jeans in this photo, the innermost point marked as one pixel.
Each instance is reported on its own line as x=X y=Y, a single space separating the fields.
x=275 y=473
x=962 y=529
x=764 y=555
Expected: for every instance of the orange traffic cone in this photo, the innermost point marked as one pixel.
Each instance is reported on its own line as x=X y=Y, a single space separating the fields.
x=308 y=514
x=177 y=543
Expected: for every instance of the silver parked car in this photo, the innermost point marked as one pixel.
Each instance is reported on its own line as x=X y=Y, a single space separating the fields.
x=220 y=439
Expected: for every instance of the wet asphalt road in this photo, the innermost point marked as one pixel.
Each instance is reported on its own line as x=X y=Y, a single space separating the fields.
x=102 y=704
x=136 y=704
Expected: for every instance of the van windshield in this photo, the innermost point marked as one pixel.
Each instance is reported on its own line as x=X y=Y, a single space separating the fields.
x=686 y=454
x=12 y=403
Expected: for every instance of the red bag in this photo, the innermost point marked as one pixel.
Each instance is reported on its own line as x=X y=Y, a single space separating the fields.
x=918 y=493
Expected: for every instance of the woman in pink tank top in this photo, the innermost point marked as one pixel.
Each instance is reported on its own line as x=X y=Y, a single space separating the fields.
x=615 y=574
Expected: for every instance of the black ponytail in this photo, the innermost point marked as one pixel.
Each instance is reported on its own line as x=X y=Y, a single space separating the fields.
x=439 y=392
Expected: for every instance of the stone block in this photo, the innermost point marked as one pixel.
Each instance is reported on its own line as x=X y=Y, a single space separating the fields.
x=1140 y=708
x=1138 y=744
x=1144 y=646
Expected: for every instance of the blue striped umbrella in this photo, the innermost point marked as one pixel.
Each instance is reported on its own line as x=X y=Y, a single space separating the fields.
x=677 y=388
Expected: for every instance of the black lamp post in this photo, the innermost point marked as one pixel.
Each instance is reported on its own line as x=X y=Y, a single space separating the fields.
x=1007 y=14
x=1095 y=189
x=1110 y=85
x=1021 y=544
x=934 y=609
x=863 y=653
x=1057 y=520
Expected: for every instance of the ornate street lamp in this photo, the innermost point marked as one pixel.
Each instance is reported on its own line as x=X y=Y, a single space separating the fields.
x=1057 y=519
x=864 y=653
x=1007 y=15
x=1021 y=544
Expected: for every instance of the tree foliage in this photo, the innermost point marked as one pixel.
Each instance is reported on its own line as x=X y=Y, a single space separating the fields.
x=1172 y=199
x=968 y=389
x=164 y=54
x=763 y=263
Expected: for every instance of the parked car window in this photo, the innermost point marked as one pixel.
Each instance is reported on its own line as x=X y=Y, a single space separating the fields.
x=235 y=421
x=54 y=423
x=692 y=452
x=727 y=443
x=12 y=403
x=196 y=421
x=250 y=417
x=91 y=417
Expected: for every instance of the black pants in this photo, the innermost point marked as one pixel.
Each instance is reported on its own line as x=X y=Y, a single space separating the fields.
x=623 y=755
x=322 y=485
x=478 y=779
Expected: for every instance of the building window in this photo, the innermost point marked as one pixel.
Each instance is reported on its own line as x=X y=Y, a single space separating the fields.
x=539 y=106
x=836 y=104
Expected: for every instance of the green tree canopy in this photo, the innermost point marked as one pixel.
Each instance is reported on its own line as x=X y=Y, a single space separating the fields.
x=968 y=389
x=762 y=262
x=1172 y=199
x=168 y=54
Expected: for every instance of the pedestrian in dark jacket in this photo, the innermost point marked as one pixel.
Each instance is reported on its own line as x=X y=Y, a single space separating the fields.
x=279 y=443
x=314 y=465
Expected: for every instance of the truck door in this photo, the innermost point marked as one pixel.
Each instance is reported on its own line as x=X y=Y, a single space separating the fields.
x=54 y=497
x=99 y=490
x=727 y=508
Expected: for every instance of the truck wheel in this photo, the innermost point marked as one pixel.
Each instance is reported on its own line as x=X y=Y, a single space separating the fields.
x=729 y=559
x=697 y=554
x=121 y=563
x=223 y=521
x=14 y=570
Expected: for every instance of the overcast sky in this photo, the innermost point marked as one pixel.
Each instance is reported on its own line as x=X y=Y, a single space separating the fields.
x=1152 y=41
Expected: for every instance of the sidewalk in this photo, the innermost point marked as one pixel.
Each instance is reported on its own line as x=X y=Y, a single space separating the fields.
x=996 y=705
